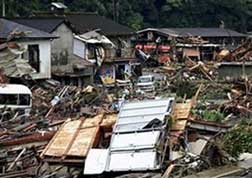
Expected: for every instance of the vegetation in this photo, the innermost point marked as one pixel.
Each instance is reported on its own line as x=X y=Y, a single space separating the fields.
x=239 y=139
x=235 y=14
x=213 y=115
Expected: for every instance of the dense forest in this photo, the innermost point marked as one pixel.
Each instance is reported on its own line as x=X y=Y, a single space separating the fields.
x=235 y=14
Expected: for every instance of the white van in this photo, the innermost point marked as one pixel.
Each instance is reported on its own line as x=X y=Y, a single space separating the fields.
x=15 y=97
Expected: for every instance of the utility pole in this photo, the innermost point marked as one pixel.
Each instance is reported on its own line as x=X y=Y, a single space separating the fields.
x=3 y=6
x=115 y=10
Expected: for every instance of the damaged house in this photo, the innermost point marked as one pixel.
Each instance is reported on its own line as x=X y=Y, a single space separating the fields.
x=93 y=47
x=118 y=60
x=66 y=66
x=34 y=45
x=196 y=43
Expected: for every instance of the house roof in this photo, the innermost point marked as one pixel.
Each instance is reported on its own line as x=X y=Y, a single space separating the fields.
x=7 y=27
x=87 y=22
x=44 y=24
x=203 y=32
x=84 y=22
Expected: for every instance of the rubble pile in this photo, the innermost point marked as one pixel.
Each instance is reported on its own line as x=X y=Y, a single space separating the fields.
x=239 y=54
x=239 y=99
x=55 y=102
x=23 y=136
x=184 y=97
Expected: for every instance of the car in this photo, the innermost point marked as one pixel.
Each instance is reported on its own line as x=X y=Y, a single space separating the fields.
x=146 y=83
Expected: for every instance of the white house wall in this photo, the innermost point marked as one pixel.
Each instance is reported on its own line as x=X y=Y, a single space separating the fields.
x=79 y=48
x=44 y=57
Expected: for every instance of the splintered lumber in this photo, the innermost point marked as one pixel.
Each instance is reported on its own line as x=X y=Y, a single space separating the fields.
x=180 y=115
x=181 y=110
x=168 y=171
x=108 y=122
x=74 y=139
x=17 y=158
x=34 y=137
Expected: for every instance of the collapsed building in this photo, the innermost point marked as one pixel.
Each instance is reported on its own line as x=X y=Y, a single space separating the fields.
x=197 y=43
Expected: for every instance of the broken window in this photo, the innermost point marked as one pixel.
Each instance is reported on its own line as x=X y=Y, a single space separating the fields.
x=8 y=99
x=24 y=100
x=15 y=99
x=33 y=57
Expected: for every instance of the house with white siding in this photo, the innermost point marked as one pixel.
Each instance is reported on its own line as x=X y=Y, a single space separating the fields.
x=36 y=45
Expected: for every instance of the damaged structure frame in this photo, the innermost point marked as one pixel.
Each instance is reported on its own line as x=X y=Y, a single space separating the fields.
x=139 y=139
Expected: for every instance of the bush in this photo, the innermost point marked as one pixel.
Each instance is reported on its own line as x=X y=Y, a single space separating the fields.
x=239 y=139
x=213 y=115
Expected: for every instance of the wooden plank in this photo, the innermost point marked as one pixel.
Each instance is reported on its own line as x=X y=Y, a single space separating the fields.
x=181 y=110
x=179 y=125
x=109 y=120
x=61 y=141
x=73 y=139
x=83 y=142
x=52 y=140
x=92 y=122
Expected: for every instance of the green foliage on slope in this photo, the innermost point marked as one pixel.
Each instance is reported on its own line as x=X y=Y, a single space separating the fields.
x=236 y=14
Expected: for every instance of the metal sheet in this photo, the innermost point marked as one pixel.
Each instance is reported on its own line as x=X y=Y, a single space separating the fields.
x=134 y=115
x=125 y=161
x=134 y=140
x=198 y=146
x=96 y=161
x=129 y=127
x=135 y=149
x=141 y=118
x=144 y=108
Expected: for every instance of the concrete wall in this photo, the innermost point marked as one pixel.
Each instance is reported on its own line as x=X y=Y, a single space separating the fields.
x=44 y=57
x=62 y=48
x=234 y=70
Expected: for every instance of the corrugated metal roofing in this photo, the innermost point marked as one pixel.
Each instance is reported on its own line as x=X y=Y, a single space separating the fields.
x=203 y=32
x=133 y=161
x=133 y=145
x=134 y=115
x=131 y=141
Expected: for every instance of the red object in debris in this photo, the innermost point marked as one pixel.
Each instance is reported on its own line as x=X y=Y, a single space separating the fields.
x=161 y=48
x=164 y=59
